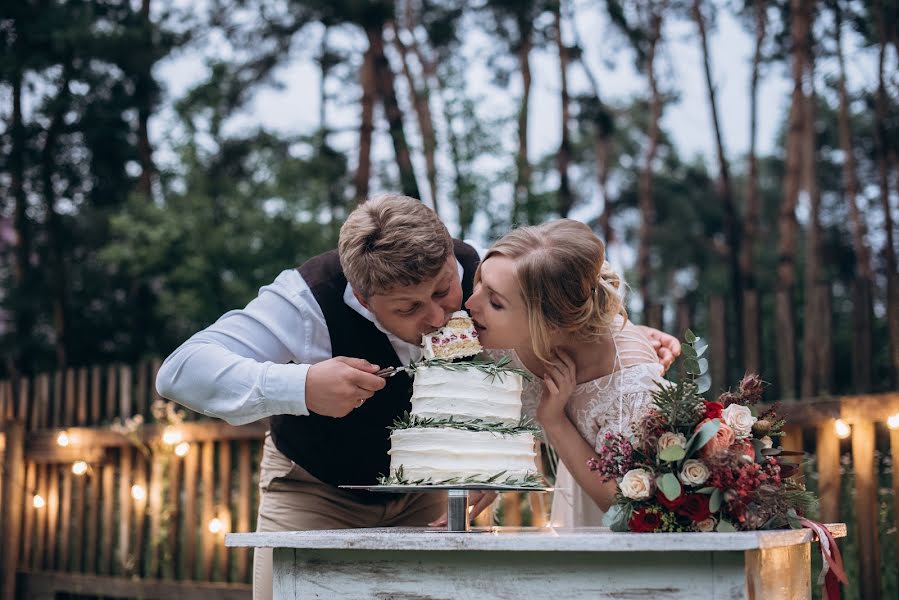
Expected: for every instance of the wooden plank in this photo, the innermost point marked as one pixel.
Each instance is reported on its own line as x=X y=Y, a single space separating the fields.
x=511 y=503
x=538 y=509
x=140 y=395
x=828 y=454
x=154 y=371
x=47 y=584
x=224 y=477
x=37 y=403
x=126 y=407
x=93 y=519
x=24 y=396
x=57 y=420
x=81 y=407
x=52 y=509
x=43 y=400
x=37 y=558
x=866 y=509
x=244 y=499
x=107 y=556
x=111 y=396
x=77 y=545
x=140 y=513
x=155 y=512
x=169 y=570
x=208 y=479
x=95 y=415
x=191 y=471
x=125 y=509
x=894 y=454
x=28 y=514
x=65 y=520
x=4 y=401
x=69 y=401
x=13 y=497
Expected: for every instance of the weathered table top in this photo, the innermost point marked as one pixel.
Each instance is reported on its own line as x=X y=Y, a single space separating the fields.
x=583 y=539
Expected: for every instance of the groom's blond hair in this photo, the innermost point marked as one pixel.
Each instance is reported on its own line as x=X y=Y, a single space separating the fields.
x=392 y=241
x=565 y=281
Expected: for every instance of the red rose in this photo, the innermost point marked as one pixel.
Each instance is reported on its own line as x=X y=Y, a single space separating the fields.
x=669 y=504
x=713 y=409
x=695 y=507
x=642 y=520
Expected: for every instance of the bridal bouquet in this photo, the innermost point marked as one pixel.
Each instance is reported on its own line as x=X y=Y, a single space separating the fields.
x=693 y=464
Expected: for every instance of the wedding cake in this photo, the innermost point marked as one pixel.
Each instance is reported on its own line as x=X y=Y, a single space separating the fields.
x=465 y=425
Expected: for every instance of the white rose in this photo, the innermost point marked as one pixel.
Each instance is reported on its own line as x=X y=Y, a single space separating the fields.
x=739 y=418
x=694 y=472
x=706 y=524
x=637 y=484
x=767 y=442
x=669 y=438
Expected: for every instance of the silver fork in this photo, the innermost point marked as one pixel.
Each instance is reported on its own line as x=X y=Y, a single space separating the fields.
x=390 y=371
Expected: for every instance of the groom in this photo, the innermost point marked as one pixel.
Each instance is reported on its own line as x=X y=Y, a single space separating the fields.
x=304 y=353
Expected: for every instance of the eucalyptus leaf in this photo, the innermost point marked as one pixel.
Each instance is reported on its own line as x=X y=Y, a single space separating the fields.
x=703 y=383
x=703 y=366
x=670 y=486
x=725 y=527
x=702 y=436
x=672 y=453
x=700 y=347
x=690 y=336
x=706 y=490
x=615 y=518
x=688 y=351
x=715 y=500
x=692 y=366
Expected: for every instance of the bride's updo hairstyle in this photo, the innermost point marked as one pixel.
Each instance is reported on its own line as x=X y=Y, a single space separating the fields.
x=566 y=283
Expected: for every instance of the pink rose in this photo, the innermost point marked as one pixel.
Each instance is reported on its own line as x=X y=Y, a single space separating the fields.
x=722 y=440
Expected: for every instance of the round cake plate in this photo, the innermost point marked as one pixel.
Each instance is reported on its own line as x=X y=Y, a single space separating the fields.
x=456 y=499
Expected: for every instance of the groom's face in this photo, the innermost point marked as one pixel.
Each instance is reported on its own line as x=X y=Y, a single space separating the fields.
x=412 y=311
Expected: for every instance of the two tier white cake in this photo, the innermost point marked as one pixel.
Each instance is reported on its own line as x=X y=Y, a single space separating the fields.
x=465 y=425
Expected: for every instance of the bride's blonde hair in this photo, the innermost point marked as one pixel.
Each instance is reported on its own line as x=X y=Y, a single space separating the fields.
x=565 y=281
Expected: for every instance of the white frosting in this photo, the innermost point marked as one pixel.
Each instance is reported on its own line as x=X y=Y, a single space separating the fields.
x=443 y=453
x=466 y=395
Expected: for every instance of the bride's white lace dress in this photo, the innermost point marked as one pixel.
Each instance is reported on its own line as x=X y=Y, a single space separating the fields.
x=608 y=404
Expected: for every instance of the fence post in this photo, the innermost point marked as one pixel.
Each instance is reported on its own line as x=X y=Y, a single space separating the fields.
x=13 y=498
x=866 y=508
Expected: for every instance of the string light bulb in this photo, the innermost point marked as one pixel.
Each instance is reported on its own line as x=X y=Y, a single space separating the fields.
x=842 y=429
x=182 y=449
x=79 y=468
x=216 y=526
x=893 y=421
x=38 y=501
x=138 y=492
x=171 y=436
x=62 y=439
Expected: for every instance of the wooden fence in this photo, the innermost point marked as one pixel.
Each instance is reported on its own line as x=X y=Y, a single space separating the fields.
x=143 y=521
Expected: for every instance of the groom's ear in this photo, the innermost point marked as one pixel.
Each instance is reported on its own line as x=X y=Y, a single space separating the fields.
x=361 y=300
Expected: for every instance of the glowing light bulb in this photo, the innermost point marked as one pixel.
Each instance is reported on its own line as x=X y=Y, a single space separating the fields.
x=38 y=501
x=893 y=421
x=138 y=492
x=62 y=439
x=79 y=468
x=216 y=526
x=842 y=428
x=171 y=436
x=182 y=449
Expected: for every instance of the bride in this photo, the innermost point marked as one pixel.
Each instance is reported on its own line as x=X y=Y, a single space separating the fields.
x=547 y=293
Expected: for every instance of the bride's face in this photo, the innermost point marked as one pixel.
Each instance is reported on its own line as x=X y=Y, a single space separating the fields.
x=496 y=306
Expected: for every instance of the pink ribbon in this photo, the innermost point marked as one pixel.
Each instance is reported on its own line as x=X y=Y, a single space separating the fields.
x=832 y=572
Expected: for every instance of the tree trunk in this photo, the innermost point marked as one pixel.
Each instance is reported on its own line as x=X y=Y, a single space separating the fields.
x=787 y=225
x=563 y=157
x=647 y=208
x=386 y=90
x=143 y=94
x=366 y=125
x=811 y=338
x=881 y=152
x=751 y=310
x=522 y=201
x=725 y=191
x=420 y=94
x=862 y=322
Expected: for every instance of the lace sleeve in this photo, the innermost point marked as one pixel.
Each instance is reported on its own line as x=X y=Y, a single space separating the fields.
x=626 y=410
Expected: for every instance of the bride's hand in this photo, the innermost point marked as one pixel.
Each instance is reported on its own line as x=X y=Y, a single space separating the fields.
x=559 y=382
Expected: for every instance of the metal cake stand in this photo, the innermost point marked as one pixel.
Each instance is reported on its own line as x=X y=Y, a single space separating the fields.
x=456 y=499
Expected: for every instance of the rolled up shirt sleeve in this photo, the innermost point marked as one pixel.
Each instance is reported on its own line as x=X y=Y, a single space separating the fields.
x=251 y=363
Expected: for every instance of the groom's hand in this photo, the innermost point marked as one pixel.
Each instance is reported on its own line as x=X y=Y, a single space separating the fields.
x=339 y=385
x=667 y=347
x=478 y=502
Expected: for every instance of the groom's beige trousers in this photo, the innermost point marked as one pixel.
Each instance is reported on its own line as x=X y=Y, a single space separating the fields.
x=293 y=500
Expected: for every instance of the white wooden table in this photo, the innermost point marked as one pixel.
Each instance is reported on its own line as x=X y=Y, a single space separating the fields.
x=537 y=564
